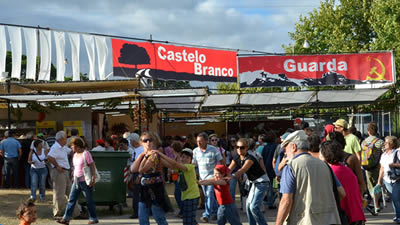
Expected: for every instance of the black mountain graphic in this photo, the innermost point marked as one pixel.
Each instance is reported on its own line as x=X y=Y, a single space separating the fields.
x=329 y=78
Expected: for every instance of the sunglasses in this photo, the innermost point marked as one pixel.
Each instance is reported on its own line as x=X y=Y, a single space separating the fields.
x=147 y=140
x=214 y=139
x=241 y=147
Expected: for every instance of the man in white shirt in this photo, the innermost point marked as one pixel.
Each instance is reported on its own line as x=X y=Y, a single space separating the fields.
x=60 y=173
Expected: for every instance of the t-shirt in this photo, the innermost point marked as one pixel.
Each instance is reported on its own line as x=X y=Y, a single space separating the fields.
x=10 y=147
x=206 y=161
x=79 y=164
x=260 y=148
x=386 y=159
x=192 y=191
x=99 y=149
x=352 y=202
x=222 y=194
x=352 y=144
x=60 y=154
x=255 y=171
x=288 y=181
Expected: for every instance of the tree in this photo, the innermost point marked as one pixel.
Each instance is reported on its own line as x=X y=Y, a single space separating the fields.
x=335 y=28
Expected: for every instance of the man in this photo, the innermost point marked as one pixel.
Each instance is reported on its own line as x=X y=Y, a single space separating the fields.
x=11 y=150
x=137 y=149
x=352 y=143
x=377 y=146
x=267 y=151
x=60 y=173
x=206 y=157
x=51 y=139
x=74 y=134
x=306 y=186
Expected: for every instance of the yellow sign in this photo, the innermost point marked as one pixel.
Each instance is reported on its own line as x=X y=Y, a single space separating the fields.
x=379 y=76
x=77 y=124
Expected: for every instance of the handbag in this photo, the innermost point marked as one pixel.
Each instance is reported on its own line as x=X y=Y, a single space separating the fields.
x=344 y=220
x=394 y=172
x=87 y=173
x=182 y=181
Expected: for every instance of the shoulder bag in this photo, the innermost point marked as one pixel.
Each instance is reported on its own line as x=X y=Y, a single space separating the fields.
x=87 y=173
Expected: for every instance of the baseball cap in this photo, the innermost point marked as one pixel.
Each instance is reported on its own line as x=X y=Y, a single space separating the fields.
x=188 y=150
x=40 y=135
x=295 y=136
x=341 y=122
x=222 y=168
x=100 y=142
x=134 y=137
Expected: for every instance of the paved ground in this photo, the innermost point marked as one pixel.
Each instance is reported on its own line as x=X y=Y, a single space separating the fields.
x=385 y=217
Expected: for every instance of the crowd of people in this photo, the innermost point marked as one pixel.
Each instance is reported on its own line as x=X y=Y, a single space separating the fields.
x=312 y=178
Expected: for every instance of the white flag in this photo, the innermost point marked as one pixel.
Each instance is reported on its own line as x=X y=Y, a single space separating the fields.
x=31 y=52
x=89 y=43
x=59 y=38
x=3 y=49
x=102 y=53
x=16 y=50
x=74 y=39
x=45 y=55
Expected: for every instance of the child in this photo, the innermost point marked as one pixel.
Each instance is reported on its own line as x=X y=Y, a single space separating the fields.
x=26 y=212
x=227 y=209
x=190 y=192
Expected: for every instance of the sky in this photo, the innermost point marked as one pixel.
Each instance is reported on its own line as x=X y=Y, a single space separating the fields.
x=261 y=25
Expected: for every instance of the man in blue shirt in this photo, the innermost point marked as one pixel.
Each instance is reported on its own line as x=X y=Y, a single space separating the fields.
x=11 y=150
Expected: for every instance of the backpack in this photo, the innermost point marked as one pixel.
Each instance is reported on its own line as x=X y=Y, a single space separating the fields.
x=370 y=155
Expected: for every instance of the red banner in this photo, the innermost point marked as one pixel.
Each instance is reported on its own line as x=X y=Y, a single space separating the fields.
x=316 y=70
x=169 y=62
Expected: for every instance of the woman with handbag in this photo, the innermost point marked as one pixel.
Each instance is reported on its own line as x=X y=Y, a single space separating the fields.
x=37 y=158
x=389 y=163
x=83 y=181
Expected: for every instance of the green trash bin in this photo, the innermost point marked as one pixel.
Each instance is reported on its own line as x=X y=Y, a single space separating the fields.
x=111 y=189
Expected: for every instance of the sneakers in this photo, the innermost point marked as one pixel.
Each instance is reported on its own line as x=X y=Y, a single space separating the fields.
x=396 y=220
x=204 y=219
x=93 y=222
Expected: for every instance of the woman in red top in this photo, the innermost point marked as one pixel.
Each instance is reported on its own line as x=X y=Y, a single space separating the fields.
x=227 y=211
x=332 y=152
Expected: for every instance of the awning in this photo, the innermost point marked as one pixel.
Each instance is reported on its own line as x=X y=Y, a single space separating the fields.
x=67 y=97
x=176 y=100
x=266 y=101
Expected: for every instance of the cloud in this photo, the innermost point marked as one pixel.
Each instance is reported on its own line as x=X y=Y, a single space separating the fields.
x=241 y=24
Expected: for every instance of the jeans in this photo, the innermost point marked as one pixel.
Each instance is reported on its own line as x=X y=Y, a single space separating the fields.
x=178 y=196
x=189 y=207
x=11 y=164
x=270 y=195
x=76 y=189
x=394 y=189
x=211 y=205
x=228 y=213
x=38 y=177
x=232 y=187
x=135 y=195
x=254 y=200
x=157 y=212
x=27 y=169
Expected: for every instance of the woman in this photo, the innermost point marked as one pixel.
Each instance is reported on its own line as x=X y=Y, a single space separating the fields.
x=386 y=162
x=213 y=140
x=350 y=160
x=36 y=158
x=152 y=194
x=108 y=144
x=248 y=164
x=332 y=152
x=79 y=183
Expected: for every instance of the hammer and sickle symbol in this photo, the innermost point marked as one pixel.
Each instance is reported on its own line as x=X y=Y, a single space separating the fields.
x=379 y=76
